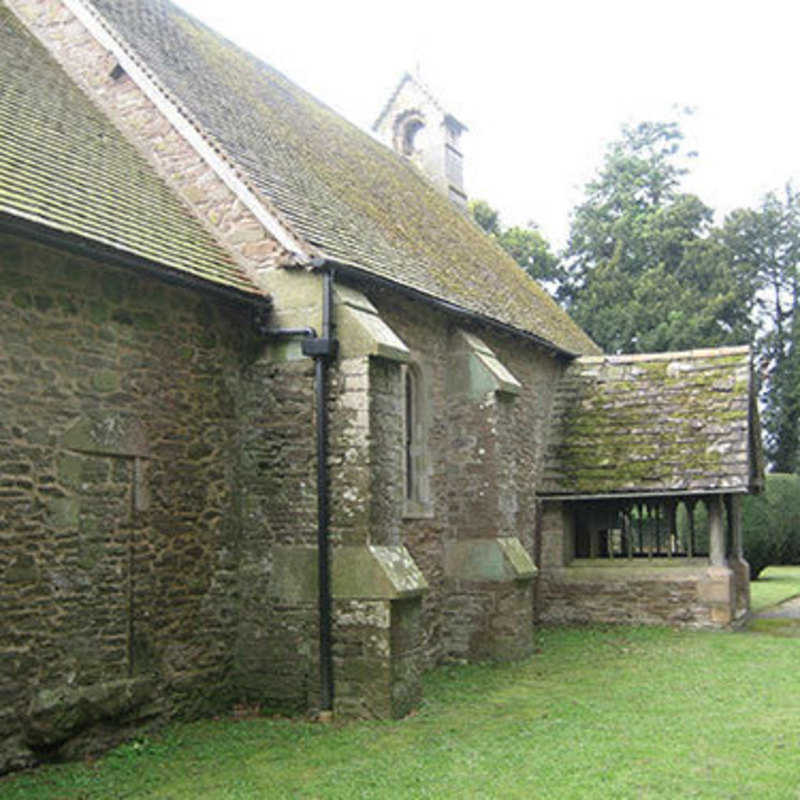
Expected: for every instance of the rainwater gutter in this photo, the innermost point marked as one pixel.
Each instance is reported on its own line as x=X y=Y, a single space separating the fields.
x=323 y=350
x=107 y=254
x=359 y=274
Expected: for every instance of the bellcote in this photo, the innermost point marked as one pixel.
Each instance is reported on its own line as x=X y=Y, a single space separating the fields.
x=415 y=124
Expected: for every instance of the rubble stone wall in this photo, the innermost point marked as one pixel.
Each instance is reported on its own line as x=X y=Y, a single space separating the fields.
x=119 y=512
x=567 y=596
x=277 y=479
x=484 y=459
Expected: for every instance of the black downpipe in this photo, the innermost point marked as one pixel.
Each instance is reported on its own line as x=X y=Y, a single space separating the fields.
x=323 y=350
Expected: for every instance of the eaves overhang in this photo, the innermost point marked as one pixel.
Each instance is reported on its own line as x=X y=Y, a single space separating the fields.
x=358 y=273
x=41 y=233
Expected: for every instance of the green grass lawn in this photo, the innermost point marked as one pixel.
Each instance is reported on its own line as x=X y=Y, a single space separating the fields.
x=596 y=713
x=773 y=586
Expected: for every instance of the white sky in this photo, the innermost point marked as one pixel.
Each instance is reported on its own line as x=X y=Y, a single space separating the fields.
x=544 y=86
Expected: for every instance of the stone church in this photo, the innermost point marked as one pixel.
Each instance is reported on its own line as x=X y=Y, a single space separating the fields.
x=279 y=425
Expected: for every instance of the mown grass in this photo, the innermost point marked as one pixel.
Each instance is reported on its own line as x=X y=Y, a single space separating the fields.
x=775 y=585
x=596 y=713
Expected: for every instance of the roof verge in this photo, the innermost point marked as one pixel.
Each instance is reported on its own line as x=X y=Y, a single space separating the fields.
x=188 y=128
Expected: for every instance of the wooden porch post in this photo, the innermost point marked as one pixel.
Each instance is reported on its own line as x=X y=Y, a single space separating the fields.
x=735 y=524
x=716 y=531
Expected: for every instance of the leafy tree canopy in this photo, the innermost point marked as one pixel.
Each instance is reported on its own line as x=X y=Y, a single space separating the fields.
x=765 y=243
x=644 y=270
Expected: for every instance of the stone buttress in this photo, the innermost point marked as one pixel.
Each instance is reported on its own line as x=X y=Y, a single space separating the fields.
x=376 y=585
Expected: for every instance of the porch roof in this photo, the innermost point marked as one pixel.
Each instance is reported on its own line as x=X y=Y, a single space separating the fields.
x=655 y=424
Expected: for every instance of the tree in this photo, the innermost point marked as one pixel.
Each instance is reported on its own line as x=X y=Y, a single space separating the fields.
x=525 y=245
x=766 y=242
x=644 y=269
x=487 y=217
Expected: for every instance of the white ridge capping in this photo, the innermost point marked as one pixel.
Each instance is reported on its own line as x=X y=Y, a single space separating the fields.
x=102 y=33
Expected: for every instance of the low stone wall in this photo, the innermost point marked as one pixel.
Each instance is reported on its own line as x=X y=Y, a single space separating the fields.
x=686 y=595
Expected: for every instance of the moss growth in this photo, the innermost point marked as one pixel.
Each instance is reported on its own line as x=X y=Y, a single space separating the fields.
x=122 y=316
x=22 y=300
x=146 y=321
x=105 y=190
x=106 y=381
x=647 y=425
x=67 y=306
x=98 y=313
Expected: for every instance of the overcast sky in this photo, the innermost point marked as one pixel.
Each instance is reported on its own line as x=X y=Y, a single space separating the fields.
x=544 y=86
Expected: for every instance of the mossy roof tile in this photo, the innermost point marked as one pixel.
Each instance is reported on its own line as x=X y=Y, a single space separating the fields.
x=65 y=166
x=654 y=424
x=344 y=193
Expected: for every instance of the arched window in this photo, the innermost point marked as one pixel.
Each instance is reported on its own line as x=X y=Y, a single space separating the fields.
x=415 y=450
x=408 y=133
x=410 y=422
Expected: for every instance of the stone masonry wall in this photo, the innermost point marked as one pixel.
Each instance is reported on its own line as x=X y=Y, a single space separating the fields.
x=119 y=517
x=485 y=459
x=376 y=648
x=658 y=599
x=377 y=657
x=276 y=635
x=423 y=533
x=377 y=640
x=386 y=409
x=351 y=482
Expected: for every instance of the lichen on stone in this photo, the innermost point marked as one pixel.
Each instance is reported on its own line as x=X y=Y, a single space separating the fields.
x=666 y=422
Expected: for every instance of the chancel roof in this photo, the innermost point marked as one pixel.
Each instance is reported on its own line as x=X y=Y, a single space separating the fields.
x=64 y=166
x=667 y=423
x=346 y=195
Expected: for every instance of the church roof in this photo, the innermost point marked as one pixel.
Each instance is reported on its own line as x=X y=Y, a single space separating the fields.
x=64 y=166
x=347 y=196
x=666 y=423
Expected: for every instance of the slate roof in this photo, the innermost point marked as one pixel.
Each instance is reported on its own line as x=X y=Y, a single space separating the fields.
x=348 y=196
x=65 y=166
x=655 y=424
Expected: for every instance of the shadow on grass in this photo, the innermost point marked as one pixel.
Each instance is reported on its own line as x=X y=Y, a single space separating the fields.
x=775 y=585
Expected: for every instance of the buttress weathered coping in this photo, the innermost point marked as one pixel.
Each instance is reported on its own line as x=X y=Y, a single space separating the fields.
x=368 y=572
x=501 y=559
x=361 y=329
x=476 y=370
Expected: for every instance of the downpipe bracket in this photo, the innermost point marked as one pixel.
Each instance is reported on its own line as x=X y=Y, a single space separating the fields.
x=320 y=347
